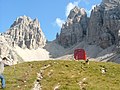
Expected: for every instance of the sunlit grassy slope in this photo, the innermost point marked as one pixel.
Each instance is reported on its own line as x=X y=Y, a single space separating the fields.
x=67 y=75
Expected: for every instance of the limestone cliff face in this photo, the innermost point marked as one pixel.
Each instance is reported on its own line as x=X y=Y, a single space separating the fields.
x=100 y=29
x=26 y=33
x=6 y=50
x=74 y=29
x=104 y=24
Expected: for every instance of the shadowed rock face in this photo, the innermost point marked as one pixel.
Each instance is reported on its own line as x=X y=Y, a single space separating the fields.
x=101 y=28
x=104 y=24
x=110 y=1
x=26 y=33
x=74 y=30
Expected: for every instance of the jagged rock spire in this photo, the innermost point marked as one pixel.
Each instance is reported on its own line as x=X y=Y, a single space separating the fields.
x=74 y=30
x=76 y=11
x=27 y=33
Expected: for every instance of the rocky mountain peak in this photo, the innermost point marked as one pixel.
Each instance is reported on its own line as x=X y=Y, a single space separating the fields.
x=100 y=29
x=110 y=1
x=74 y=29
x=27 y=33
x=22 y=20
x=104 y=24
x=76 y=11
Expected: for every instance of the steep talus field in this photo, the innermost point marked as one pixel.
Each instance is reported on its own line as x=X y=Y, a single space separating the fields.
x=63 y=75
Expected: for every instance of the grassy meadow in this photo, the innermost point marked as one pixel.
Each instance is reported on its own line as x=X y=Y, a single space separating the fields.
x=64 y=75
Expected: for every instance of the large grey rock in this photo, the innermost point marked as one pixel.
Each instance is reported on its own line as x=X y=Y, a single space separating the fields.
x=74 y=30
x=26 y=33
x=104 y=24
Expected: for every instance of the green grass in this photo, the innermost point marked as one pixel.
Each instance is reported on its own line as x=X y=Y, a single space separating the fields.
x=67 y=74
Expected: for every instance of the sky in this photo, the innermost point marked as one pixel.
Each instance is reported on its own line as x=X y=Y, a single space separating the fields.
x=50 y=13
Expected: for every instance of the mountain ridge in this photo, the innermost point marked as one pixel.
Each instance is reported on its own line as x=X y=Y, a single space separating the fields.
x=97 y=34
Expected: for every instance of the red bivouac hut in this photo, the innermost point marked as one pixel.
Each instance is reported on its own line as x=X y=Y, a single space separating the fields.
x=80 y=54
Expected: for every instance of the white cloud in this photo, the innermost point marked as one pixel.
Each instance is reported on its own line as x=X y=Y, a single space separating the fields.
x=59 y=22
x=71 y=6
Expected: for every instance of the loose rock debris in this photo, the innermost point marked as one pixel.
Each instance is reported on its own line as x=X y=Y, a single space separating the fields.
x=37 y=83
x=83 y=84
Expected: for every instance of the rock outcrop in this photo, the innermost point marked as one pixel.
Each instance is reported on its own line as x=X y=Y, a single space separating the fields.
x=7 y=51
x=104 y=24
x=26 y=33
x=100 y=29
x=74 y=30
